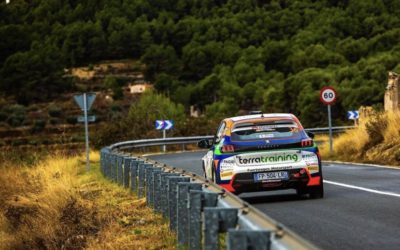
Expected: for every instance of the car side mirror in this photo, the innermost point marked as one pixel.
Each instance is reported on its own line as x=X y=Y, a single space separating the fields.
x=311 y=135
x=204 y=143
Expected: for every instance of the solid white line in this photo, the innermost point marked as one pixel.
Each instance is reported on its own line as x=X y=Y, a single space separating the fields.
x=360 y=164
x=362 y=189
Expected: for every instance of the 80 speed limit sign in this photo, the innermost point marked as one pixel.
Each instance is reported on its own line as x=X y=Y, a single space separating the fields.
x=327 y=95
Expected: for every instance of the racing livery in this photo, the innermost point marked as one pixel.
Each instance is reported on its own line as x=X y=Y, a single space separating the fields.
x=263 y=152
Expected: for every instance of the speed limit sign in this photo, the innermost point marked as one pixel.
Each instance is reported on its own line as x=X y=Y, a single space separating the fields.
x=327 y=95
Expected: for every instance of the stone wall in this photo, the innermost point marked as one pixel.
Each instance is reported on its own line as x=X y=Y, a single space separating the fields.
x=392 y=94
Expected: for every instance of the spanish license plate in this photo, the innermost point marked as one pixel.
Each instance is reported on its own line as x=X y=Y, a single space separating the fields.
x=271 y=176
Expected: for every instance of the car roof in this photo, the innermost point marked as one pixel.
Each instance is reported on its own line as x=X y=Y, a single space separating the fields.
x=257 y=116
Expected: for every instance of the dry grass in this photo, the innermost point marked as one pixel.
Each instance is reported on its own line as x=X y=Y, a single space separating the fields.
x=376 y=140
x=57 y=205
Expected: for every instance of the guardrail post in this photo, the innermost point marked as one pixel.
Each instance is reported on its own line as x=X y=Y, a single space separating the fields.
x=198 y=200
x=142 y=179
x=183 y=211
x=101 y=161
x=164 y=193
x=248 y=239
x=108 y=166
x=173 y=198
x=150 y=185
x=120 y=177
x=114 y=168
x=157 y=190
x=217 y=220
x=127 y=169
x=134 y=174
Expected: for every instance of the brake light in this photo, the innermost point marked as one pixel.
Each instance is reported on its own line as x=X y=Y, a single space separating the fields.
x=307 y=143
x=227 y=149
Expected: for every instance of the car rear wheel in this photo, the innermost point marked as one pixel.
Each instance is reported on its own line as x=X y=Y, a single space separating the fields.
x=214 y=176
x=301 y=192
x=204 y=171
x=317 y=192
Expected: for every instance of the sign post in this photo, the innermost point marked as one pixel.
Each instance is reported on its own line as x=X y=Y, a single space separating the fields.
x=85 y=102
x=164 y=125
x=328 y=97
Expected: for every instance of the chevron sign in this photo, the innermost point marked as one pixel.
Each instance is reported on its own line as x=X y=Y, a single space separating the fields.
x=352 y=115
x=164 y=124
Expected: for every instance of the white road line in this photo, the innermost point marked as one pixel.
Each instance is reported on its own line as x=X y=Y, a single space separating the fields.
x=360 y=164
x=362 y=189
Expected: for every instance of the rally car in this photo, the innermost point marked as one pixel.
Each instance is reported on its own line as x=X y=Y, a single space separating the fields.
x=262 y=152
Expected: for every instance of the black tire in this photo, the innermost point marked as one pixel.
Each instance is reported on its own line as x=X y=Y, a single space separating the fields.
x=214 y=176
x=301 y=192
x=317 y=192
x=204 y=171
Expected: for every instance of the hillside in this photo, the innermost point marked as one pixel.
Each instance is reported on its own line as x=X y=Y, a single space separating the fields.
x=220 y=56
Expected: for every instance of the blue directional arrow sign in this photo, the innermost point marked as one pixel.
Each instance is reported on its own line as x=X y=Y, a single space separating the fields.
x=353 y=115
x=164 y=124
x=159 y=124
x=168 y=124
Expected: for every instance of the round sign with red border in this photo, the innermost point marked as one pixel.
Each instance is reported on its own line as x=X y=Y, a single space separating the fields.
x=327 y=95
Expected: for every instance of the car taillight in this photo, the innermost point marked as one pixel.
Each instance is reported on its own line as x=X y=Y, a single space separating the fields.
x=228 y=148
x=307 y=143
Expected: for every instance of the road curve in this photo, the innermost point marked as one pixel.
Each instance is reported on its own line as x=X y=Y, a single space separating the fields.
x=361 y=208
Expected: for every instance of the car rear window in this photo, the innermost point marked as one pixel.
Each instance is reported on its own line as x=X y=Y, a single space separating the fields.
x=264 y=130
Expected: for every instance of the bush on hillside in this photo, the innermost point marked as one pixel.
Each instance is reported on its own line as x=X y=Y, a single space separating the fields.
x=54 y=110
x=375 y=128
x=38 y=126
x=139 y=123
x=17 y=115
x=376 y=139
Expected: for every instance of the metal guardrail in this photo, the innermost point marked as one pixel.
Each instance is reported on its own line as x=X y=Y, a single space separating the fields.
x=326 y=129
x=192 y=203
x=195 y=139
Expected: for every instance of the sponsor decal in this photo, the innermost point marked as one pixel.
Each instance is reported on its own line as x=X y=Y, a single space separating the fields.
x=282 y=157
x=228 y=163
x=313 y=168
x=263 y=136
x=226 y=174
x=269 y=168
x=311 y=160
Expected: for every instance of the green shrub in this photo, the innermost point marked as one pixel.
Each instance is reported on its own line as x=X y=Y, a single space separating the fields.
x=115 y=108
x=375 y=129
x=72 y=120
x=38 y=126
x=33 y=142
x=16 y=120
x=3 y=116
x=17 y=115
x=4 y=125
x=54 y=111
x=54 y=121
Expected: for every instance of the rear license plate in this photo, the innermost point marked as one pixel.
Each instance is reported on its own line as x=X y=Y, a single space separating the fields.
x=271 y=176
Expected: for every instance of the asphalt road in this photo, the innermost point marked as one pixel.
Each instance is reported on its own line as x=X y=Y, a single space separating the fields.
x=360 y=210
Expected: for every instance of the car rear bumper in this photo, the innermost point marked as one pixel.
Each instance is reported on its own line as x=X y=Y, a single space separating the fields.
x=298 y=178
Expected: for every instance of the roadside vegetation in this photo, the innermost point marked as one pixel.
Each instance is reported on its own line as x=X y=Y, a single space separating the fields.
x=55 y=204
x=375 y=140
x=220 y=56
